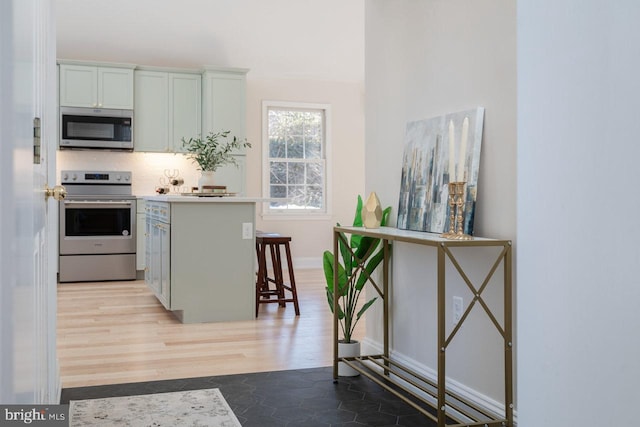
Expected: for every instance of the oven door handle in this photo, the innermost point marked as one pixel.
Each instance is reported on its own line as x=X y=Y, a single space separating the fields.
x=97 y=204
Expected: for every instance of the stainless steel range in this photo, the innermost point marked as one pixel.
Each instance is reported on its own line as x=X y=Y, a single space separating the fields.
x=97 y=227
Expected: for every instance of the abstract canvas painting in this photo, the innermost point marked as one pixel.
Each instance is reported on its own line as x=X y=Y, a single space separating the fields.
x=437 y=151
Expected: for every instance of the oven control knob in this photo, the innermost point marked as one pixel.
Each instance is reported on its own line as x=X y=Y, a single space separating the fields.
x=74 y=177
x=118 y=177
x=127 y=177
x=65 y=177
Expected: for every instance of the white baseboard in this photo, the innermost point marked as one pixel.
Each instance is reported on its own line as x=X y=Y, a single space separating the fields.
x=480 y=400
x=307 y=263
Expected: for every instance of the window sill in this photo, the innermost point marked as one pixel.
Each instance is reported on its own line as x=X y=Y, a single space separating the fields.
x=295 y=217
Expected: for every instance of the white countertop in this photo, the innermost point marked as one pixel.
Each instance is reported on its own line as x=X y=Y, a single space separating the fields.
x=176 y=198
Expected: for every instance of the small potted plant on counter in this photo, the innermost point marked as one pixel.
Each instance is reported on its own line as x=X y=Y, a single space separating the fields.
x=353 y=273
x=215 y=150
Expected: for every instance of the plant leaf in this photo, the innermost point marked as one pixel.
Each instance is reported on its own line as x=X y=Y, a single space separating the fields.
x=385 y=216
x=327 y=264
x=347 y=258
x=367 y=245
x=330 y=301
x=369 y=267
x=364 y=308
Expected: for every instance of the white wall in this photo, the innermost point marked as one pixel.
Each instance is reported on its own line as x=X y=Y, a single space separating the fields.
x=424 y=59
x=296 y=51
x=578 y=147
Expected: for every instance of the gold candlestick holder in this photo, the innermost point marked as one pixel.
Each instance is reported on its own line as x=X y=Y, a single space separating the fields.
x=456 y=212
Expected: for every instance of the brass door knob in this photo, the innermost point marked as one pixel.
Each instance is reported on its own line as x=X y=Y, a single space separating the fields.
x=58 y=192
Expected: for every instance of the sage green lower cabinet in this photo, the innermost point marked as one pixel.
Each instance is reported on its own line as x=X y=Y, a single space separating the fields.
x=140 y=235
x=200 y=264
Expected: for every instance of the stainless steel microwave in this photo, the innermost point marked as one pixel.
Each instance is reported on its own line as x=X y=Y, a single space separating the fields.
x=96 y=128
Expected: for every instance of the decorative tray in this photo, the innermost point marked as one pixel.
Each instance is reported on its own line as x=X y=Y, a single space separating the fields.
x=208 y=194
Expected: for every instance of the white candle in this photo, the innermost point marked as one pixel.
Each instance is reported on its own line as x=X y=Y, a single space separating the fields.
x=452 y=152
x=463 y=149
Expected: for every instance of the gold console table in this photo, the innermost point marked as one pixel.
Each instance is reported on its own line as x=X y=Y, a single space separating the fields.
x=451 y=409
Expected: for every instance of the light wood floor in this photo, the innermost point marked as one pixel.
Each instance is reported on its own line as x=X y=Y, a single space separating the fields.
x=118 y=332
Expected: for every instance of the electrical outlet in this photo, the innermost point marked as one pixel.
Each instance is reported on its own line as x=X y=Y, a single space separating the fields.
x=457 y=309
x=247 y=230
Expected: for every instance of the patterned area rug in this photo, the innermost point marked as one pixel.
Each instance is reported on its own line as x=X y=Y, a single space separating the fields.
x=184 y=408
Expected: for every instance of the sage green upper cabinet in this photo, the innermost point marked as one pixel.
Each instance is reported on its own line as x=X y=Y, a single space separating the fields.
x=96 y=86
x=185 y=108
x=167 y=109
x=224 y=101
x=224 y=108
x=151 y=111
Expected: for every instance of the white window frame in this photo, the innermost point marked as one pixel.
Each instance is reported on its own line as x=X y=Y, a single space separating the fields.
x=279 y=214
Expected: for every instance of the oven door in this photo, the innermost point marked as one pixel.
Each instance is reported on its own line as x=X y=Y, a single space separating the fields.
x=97 y=227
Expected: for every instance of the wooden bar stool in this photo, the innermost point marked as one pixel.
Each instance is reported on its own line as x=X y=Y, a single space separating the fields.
x=264 y=291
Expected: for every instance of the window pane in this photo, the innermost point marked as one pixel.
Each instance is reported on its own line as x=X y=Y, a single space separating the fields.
x=313 y=128
x=296 y=128
x=314 y=173
x=279 y=191
x=297 y=196
x=278 y=173
x=312 y=148
x=278 y=205
x=294 y=148
x=276 y=147
x=315 y=196
x=295 y=173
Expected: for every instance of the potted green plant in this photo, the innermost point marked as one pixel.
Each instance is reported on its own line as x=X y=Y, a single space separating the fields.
x=211 y=152
x=354 y=270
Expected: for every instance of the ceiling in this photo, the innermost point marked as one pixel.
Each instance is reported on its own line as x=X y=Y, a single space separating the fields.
x=290 y=39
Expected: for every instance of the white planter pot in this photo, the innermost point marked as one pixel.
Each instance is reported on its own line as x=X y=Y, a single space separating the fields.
x=206 y=178
x=351 y=349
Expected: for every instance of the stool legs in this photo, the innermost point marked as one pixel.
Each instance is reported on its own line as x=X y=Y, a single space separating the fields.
x=292 y=279
x=278 y=279
x=263 y=281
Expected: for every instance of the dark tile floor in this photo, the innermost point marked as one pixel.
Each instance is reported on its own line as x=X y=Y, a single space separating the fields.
x=297 y=398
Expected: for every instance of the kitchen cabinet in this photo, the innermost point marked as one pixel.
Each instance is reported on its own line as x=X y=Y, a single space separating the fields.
x=157 y=255
x=224 y=101
x=224 y=108
x=93 y=86
x=167 y=108
x=200 y=259
x=141 y=234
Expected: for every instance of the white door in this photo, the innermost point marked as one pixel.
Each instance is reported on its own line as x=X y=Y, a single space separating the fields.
x=28 y=367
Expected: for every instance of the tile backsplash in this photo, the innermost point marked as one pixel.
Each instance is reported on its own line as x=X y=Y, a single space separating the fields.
x=147 y=168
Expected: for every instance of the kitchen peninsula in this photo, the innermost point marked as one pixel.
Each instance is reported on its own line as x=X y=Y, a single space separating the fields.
x=200 y=256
